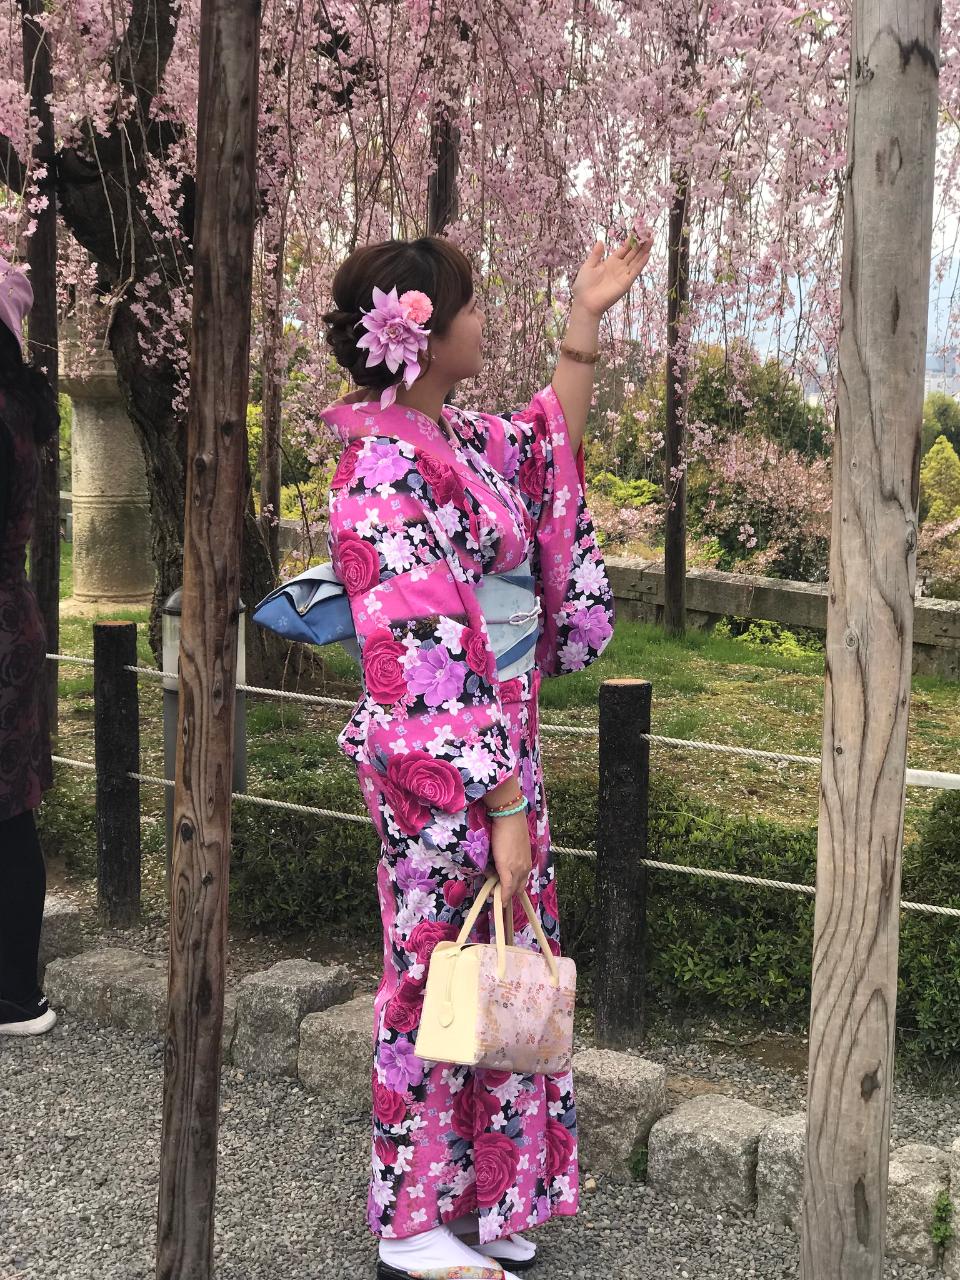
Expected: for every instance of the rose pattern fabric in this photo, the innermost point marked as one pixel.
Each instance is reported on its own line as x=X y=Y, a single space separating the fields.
x=415 y=521
x=26 y=769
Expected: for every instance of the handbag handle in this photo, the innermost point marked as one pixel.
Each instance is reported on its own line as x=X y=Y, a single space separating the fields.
x=493 y=882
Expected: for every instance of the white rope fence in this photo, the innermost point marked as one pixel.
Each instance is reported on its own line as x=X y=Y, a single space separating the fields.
x=915 y=777
x=703 y=872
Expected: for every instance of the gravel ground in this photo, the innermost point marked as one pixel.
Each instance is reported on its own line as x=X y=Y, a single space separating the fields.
x=79 y=1151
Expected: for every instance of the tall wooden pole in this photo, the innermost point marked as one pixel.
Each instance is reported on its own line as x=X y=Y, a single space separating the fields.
x=888 y=205
x=44 y=347
x=216 y=494
x=621 y=893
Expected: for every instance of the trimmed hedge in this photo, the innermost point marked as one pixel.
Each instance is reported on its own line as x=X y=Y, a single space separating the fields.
x=712 y=946
x=67 y=823
x=296 y=871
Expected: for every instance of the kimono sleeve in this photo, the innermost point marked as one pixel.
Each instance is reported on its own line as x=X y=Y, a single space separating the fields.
x=431 y=724
x=531 y=448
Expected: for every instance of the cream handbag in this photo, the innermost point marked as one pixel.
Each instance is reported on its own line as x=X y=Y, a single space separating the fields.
x=496 y=1005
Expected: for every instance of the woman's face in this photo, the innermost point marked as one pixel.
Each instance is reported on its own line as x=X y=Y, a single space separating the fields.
x=459 y=353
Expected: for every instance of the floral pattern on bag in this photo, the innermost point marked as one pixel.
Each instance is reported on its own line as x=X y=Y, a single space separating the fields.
x=525 y=1022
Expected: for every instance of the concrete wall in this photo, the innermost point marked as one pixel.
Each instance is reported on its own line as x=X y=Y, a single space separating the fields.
x=712 y=595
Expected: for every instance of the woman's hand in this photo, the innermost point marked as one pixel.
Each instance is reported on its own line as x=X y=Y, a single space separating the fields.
x=510 y=845
x=603 y=281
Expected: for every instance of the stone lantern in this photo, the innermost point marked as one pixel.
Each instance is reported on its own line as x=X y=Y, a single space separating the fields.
x=112 y=564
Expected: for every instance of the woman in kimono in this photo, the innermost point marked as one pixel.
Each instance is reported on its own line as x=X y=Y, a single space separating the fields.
x=425 y=500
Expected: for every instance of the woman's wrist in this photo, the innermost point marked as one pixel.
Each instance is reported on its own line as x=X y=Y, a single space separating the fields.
x=506 y=800
x=516 y=804
x=582 y=325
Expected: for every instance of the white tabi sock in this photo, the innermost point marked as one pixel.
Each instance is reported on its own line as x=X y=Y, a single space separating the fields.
x=515 y=1248
x=435 y=1250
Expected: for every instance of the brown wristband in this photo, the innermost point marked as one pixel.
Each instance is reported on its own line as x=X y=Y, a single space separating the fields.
x=583 y=357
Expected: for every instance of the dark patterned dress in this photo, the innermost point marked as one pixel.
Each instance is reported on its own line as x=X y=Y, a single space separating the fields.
x=25 y=766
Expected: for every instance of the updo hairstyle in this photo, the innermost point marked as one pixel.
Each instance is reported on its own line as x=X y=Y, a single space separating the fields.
x=431 y=264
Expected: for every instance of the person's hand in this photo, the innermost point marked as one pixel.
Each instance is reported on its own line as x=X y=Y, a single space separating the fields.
x=510 y=845
x=603 y=281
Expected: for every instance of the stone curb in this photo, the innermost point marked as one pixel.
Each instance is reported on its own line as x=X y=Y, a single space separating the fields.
x=714 y=1150
x=272 y=1004
x=706 y=1152
x=60 y=933
x=111 y=986
x=619 y=1097
x=336 y=1052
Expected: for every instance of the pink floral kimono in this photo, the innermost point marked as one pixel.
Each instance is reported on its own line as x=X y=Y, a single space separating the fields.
x=414 y=523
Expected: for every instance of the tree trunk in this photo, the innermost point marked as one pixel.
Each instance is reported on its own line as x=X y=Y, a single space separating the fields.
x=888 y=206
x=675 y=467
x=218 y=486
x=149 y=391
x=442 y=198
x=44 y=347
x=270 y=455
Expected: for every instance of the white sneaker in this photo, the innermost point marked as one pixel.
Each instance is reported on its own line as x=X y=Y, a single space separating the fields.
x=30 y=1019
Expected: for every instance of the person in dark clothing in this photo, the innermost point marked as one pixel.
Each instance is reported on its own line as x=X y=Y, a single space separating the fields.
x=28 y=419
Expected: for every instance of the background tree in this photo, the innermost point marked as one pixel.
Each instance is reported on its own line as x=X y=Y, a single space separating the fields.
x=940 y=483
x=563 y=118
x=941 y=417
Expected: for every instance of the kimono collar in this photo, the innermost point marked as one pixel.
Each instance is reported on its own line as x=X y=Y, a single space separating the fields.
x=353 y=420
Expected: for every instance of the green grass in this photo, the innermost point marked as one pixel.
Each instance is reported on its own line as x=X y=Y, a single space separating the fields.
x=66 y=570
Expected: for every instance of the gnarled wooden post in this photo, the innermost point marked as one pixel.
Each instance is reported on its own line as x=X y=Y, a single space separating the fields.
x=216 y=494
x=888 y=204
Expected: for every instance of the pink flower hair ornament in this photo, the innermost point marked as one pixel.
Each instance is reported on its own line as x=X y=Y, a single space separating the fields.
x=395 y=335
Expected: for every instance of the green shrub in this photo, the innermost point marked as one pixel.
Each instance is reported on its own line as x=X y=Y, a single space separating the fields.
x=772 y=637
x=721 y=944
x=929 y=986
x=572 y=807
x=626 y=493
x=712 y=946
x=638 y=1163
x=715 y=945
x=941 y=1227
x=67 y=823
x=297 y=871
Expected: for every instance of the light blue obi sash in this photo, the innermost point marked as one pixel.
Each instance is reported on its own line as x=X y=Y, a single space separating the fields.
x=313 y=609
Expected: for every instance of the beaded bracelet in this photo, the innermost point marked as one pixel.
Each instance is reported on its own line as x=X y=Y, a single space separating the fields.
x=513 y=800
x=505 y=813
